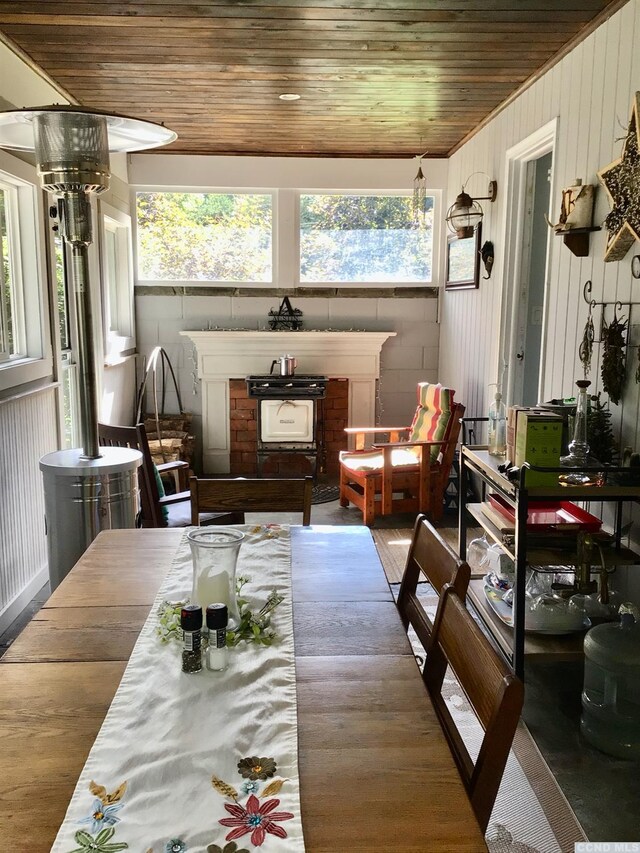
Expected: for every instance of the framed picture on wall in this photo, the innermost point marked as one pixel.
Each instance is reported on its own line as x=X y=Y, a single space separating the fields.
x=463 y=261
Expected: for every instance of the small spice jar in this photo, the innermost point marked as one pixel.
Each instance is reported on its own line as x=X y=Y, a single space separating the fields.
x=217 y=657
x=191 y=624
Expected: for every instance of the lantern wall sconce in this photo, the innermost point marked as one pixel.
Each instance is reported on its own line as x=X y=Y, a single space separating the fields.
x=465 y=214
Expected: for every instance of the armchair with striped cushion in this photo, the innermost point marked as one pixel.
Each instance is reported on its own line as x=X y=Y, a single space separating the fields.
x=410 y=471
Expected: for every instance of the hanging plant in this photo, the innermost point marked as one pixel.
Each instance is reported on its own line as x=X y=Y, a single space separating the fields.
x=613 y=358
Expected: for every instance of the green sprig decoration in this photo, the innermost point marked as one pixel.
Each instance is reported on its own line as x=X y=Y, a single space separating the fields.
x=169 y=620
x=253 y=627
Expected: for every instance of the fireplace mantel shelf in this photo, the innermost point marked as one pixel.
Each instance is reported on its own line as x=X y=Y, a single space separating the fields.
x=232 y=354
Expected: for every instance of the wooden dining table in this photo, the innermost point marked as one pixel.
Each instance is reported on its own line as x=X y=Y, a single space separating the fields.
x=376 y=772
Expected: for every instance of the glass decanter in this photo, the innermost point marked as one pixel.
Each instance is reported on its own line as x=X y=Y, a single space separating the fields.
x=579 y=457
x=215 y=555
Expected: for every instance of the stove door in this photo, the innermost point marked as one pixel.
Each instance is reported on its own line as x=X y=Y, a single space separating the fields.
x=284 y=421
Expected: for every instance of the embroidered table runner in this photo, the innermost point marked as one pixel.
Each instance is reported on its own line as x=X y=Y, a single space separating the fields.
x=204 y=763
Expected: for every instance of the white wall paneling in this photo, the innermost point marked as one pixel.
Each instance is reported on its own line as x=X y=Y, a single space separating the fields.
x=28 y=430
x=589 y=92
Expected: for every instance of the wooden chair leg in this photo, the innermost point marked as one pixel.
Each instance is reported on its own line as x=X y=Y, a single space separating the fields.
x=369 y=512
x=344 y=500
x=436 y=502
x=387 y=483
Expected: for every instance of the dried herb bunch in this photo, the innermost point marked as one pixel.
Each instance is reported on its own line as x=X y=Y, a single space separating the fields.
x=613 y=358
x=585 y=350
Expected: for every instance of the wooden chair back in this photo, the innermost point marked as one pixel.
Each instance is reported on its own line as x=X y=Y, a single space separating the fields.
x=431 y=556
x=240 y=495
x=135 y=437
x=494 y=692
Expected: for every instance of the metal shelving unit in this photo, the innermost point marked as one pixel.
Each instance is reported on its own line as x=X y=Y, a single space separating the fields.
x=513 y=643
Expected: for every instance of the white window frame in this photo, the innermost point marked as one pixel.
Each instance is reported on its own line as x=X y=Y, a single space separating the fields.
x=26 y=237
x=120 y=337
x=361 y=285
x=136 y=190
x=285 y=206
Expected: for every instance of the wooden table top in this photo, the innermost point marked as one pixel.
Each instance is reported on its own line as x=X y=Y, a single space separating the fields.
x=376 y=773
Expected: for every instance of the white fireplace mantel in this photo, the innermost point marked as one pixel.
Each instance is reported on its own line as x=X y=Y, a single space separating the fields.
x=225 y=355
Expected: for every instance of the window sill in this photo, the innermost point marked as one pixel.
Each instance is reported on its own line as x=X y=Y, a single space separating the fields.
x=363 y=291
x=21 y=371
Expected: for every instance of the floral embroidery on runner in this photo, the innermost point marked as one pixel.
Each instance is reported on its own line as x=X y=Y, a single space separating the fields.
x=103 y=817
x=259 y=819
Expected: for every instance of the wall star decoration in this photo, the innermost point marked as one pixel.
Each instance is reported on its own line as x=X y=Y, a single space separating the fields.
x=621 y=180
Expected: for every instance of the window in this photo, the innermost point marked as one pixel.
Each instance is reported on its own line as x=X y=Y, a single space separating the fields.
x=23 y=344
x=221 y=237
x=364 y=238
x=117 y=277
x=11 y=333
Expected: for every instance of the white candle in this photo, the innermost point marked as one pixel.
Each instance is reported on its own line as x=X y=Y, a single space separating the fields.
x=211 y=589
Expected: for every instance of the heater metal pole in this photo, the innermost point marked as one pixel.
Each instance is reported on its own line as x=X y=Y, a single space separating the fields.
x=76 y=230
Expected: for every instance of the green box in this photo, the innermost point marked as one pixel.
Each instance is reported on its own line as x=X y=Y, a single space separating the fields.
x=539 y=442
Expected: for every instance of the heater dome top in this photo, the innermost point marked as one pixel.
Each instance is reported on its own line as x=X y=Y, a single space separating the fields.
x=124 y=134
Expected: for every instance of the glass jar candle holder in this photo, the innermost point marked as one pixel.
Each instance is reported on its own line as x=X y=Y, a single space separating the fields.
x=215 y=556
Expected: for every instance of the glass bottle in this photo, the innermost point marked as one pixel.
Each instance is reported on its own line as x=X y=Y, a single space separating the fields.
x=191 y=624
x=215 y=555
x=579 y=457
x=497 y=441
x=217 y=658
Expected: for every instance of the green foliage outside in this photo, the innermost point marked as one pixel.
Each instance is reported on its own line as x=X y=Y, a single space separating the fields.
x=228 y=237
x=364 y=238
x=204 y=237
x=6 y=321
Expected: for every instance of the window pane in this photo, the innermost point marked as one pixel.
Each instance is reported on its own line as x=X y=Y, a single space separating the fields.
x=7 y=342
x=111 y=272
x=204 y=237
x=351 y=238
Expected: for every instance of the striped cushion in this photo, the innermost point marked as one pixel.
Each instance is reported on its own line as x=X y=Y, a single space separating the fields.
x=432 y=416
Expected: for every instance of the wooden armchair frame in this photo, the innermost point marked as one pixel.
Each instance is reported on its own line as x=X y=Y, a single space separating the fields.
x=494 y=692
x=260 y=495
x=422 y=485
x=178 y=504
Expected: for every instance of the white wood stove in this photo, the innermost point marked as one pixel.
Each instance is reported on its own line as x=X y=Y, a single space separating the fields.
x=287 y=415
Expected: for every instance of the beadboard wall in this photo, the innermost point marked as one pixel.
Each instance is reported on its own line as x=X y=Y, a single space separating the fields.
x=590 y=92
x=28 y=430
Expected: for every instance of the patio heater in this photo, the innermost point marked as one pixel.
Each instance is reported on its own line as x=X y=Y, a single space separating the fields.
x=91 y=488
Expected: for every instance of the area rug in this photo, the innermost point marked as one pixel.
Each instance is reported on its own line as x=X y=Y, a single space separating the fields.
x=323 y=494
x=531 y=814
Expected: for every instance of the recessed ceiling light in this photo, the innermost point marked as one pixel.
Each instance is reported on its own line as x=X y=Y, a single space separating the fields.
x=289 y=96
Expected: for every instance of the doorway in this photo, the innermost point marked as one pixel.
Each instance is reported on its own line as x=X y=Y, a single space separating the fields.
x=523 y=320
x=533 y=280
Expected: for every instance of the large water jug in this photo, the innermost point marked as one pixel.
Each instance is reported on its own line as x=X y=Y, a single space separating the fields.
x=611 y=694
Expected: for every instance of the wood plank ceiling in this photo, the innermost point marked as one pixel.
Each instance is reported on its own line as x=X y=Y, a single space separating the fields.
x=388 y=78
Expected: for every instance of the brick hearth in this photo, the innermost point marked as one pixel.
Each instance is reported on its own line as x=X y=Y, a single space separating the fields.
x=332 y=412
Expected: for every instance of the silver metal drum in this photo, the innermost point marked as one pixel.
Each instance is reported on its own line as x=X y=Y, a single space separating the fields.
x=84 y=496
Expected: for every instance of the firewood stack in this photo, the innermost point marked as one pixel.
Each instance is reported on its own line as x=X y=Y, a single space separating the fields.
x=175 y=440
